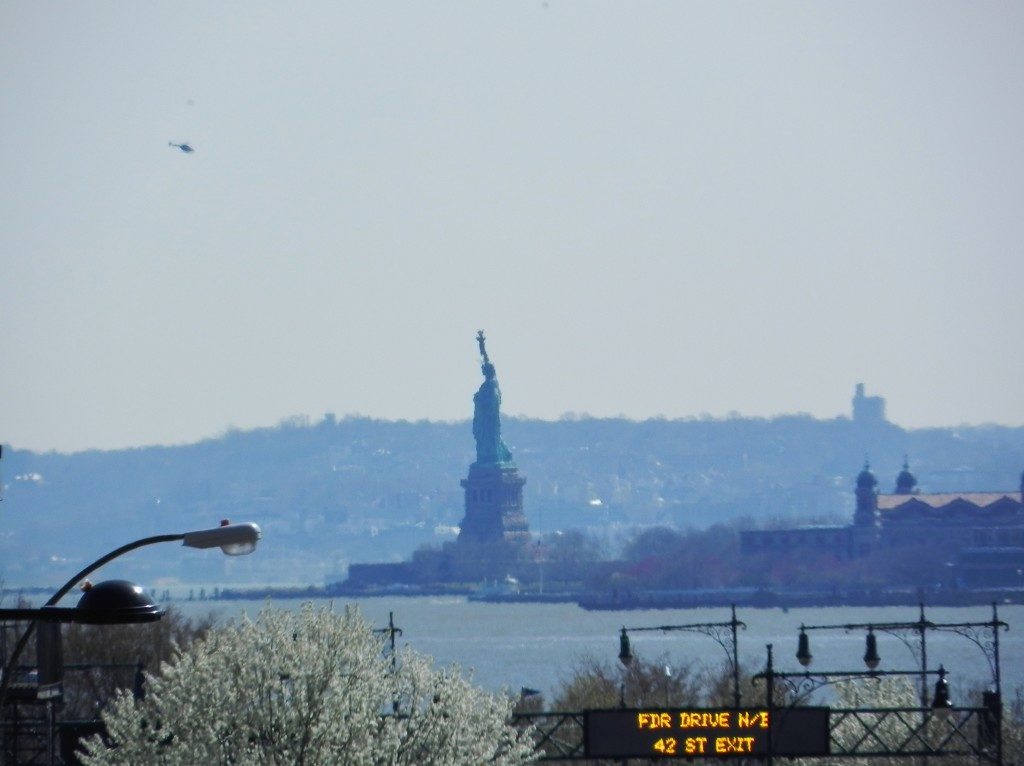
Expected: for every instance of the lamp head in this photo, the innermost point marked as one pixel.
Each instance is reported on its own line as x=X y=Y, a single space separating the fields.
x=941 y=704
x=233 y=539
x=871 y=658
x=625 y=655
x=803 y=650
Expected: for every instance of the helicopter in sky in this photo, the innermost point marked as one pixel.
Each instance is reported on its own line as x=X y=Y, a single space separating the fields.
x=184 y=147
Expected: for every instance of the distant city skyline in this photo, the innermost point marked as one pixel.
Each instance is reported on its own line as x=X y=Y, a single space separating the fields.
x=652 y=209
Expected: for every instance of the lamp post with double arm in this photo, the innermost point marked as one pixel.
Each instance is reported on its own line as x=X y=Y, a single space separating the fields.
x=983 y=634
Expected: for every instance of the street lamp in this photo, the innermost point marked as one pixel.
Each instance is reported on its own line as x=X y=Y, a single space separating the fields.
x=871 y=658
x=803 y=684
x=113 y=603
x=806 y=682
x=984 y=635
x=941 y=704
x=724 y=634
x=803 y=649
x=625 y=653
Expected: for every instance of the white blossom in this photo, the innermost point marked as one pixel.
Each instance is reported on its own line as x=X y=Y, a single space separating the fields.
x=311 y=687
x=883 y=731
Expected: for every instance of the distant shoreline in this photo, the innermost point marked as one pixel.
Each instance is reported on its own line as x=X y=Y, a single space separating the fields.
x=781 y=598
x=749 y=598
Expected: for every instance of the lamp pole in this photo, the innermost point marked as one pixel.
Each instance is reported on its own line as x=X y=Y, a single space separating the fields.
x=802 y=684
x=391 y=630
x=984 y=635
x=727 y=639
x=115 y=601
x=233 y=539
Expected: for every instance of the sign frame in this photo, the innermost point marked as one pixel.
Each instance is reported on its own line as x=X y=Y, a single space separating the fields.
x=717 y=733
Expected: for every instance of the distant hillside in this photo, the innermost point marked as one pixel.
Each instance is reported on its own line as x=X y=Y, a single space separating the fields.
x=338 y=491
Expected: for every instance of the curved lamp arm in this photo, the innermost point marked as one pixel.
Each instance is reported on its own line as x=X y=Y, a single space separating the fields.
x=232 y=538
x=105 y=559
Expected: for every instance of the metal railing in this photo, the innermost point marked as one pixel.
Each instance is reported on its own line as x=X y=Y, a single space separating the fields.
x=965 y=734
x=557 y=736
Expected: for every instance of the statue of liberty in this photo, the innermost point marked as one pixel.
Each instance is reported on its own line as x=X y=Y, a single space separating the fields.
x=490 y=449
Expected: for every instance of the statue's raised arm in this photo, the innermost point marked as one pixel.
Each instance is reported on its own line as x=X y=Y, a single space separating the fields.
x=480 y=340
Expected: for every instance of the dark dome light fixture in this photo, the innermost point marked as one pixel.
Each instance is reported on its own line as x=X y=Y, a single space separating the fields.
x=115 y=602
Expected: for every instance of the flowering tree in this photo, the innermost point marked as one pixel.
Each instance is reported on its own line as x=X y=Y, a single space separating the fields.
x=889 y=721
x=889 y=731
x=307 y=688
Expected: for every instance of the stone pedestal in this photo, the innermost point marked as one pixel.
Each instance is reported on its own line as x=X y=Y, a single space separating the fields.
x=494 y=506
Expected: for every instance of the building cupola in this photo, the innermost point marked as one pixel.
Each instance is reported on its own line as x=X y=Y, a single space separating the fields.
x=866 y=514
x=906 y=483
x=866 y=479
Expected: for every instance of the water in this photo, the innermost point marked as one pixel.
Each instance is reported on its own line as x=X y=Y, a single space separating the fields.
x=538 y=645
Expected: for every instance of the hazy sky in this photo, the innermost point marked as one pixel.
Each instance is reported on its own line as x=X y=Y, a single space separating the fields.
x=651 y=208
